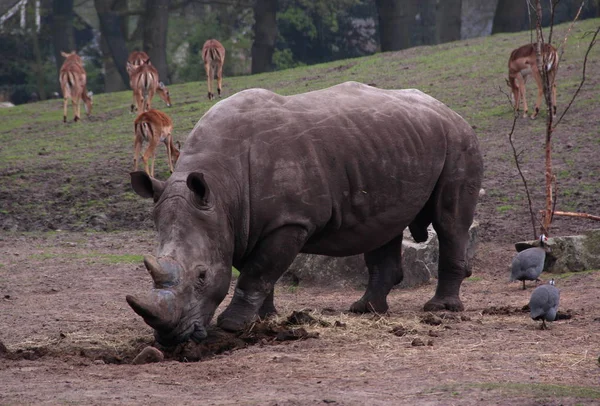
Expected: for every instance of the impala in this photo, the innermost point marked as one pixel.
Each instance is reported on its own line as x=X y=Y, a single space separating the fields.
x=213 y=55
x=521 y=64
x=136 y=58
x=153 y=127
x=144 y=82
x=73 y=80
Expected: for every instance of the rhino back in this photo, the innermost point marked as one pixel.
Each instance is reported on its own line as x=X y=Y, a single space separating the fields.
x=351 y=163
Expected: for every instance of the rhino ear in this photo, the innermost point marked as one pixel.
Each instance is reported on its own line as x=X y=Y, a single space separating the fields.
x=197 y=184
x=146 y=186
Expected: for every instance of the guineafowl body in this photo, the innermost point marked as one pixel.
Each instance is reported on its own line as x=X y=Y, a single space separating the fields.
x=543 y=304
x=528 y=264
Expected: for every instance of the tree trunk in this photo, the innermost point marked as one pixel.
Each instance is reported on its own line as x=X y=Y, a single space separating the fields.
x=110 y=29
x=448 y=21
x=396 y=23
x=265 y=33
x=511 y=16
x=112 y=77
x=62 y=29
x=155 y=22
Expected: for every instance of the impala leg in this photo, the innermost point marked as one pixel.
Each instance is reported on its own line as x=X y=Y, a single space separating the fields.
x=65 y=103
x=540 y=86
x=169 y=158
x=75 y=109
x=149 y=153
x=522 y=94
x=219 y=79
x=133 y=103
x=209 y=80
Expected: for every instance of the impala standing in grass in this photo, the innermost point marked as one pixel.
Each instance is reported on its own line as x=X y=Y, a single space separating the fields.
x=213 y=55
x=521 y=64
x=73 y=81
x=153 y=127
x=144 y=82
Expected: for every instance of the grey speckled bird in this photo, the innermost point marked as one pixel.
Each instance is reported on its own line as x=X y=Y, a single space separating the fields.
x=543 y=304
x=528 y=264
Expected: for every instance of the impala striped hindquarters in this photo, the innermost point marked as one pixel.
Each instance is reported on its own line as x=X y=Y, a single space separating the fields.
x=73 y=82
x=213 y=54
x=145 y=83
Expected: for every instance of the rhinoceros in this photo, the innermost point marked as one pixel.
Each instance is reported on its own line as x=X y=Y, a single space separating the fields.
x=337 y=172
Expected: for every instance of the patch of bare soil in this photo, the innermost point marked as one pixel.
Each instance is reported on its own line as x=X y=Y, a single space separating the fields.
x=70 y=337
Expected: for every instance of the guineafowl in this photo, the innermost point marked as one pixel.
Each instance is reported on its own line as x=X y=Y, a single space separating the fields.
x=544 y=303
x=528 y=264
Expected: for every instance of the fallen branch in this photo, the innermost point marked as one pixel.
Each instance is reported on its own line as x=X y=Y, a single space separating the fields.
x=574 y=214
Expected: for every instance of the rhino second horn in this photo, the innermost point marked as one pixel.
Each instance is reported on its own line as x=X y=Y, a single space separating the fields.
x=159 y=275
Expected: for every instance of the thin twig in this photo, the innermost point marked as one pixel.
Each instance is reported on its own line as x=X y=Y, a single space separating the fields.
x=516 y=156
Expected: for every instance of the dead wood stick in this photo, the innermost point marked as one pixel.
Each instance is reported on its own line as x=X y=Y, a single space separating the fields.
x=573 y=214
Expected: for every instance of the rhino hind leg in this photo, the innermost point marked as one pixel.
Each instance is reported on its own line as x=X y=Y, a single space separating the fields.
x=253 y=295
x=455 y=204
x=385 y=271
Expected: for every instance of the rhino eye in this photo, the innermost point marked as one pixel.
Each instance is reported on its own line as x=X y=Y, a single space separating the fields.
x=201 y=278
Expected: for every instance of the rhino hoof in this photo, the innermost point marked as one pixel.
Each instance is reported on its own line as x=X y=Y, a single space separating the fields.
x=229 y=324
x=435 y=304
x=365 y=306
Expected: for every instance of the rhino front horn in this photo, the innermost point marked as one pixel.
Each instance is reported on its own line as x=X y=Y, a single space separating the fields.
x=158 y=311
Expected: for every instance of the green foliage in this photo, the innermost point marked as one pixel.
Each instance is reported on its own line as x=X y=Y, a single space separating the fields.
x=318 y=31
x=186 y=38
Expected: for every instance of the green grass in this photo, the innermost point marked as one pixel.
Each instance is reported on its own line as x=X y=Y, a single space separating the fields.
x=39 y=149
x=540 y=391
x=505 y=208
x=94 y=257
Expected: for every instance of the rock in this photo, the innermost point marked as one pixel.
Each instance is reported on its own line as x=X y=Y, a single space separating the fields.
x=148 y=355
x=419 y=263
x=570 y=253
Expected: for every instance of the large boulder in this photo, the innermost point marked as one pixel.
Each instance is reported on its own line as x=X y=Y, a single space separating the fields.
x=419 y=263
x=570 y=253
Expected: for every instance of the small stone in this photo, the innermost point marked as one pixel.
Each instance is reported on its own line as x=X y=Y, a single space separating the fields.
x=99 y=362
x=148 y=355
x=417 y=342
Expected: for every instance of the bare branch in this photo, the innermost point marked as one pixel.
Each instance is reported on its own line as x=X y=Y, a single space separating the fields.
x=592 y=42
x=574 y=214
x=516 y=156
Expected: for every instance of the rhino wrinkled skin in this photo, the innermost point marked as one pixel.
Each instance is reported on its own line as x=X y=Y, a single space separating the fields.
x=337 y=172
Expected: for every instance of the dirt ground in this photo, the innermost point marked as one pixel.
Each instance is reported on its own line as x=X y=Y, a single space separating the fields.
x=70 y=338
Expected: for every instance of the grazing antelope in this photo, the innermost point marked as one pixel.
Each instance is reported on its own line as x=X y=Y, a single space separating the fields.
x=144 y=82
x=73 y=82
x=153 y=127
x=213 y=55
x=521 y=64
x=136 y=58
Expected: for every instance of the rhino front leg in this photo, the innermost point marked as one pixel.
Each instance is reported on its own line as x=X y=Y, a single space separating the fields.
x=254 y=290
x=385 y=271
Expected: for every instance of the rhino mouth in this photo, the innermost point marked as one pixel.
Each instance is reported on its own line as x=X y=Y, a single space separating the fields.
x=168 y=339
